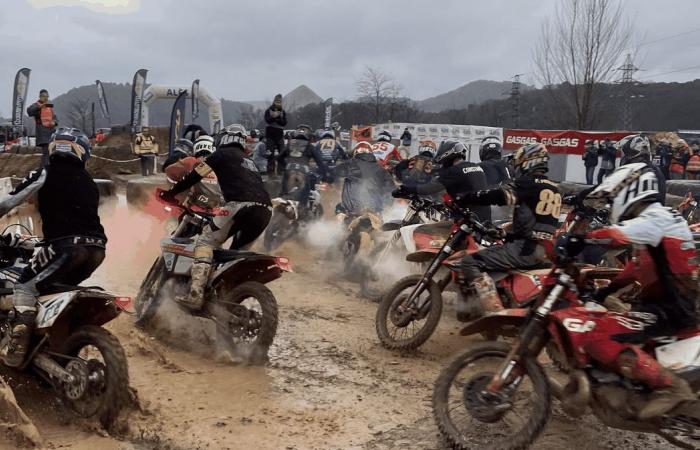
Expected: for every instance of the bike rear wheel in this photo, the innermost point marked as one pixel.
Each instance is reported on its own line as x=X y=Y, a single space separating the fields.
x=469 y=416
x=147 y=300
x=407 y=331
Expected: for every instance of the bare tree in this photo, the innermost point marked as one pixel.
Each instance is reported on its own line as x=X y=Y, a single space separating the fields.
x=375 y=88
x=579 y=48
x=79 y=114
x=251 y=118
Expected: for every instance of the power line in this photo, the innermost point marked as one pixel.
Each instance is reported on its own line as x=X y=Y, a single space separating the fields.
x=671 y=71
x=666 y=38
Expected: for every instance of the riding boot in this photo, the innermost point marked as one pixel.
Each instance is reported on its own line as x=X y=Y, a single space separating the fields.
x=16 y=344
x=485 y=290
x=199 y=274
x=669 y=389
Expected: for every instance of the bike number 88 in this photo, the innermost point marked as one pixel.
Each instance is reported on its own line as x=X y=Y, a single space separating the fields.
x=549 y=204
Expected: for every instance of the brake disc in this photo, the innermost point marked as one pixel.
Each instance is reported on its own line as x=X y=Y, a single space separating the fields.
x=79 y=369
x=485 y=406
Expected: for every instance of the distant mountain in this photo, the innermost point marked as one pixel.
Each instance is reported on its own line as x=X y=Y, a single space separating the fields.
x=294 y=100
x=474 y=92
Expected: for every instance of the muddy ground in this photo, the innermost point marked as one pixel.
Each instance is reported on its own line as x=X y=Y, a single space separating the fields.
x=329 y=384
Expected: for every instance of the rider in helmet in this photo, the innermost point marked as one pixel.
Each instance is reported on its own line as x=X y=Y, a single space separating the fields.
x=495 y=168
x=182 y=149
x=418 y=169
x=456 y=175
x=636 y=148
x=330 y=149
x=67 y=200
x=247 y=202
x=297 y=157
x=206 y=193
x=537 y=203
x=387 y=154
x=365 y=185
x=663 y=308
x=193 y=132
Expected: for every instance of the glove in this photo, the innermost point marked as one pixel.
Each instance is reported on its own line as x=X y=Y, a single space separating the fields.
x=466 y=198
x=404 y=191
x=167 y=196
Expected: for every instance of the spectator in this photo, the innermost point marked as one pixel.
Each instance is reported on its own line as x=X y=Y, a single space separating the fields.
x=607 y=166
x=406 y=139
x=679 y=158
x=99 y=136
x=692 y=169
x=45 y=121
x=276 y=120
x=146 y=147
x=663 y=152
x=590 y=160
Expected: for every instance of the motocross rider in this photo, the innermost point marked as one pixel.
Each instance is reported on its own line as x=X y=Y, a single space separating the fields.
x=330 y=149
x=387 y=154
x=365 y=186
x=205 y=194
x=418 y=169
x=614 y=339
x=247 y=202
x=182 y=149
x=67 y=200
x=495 y=168
x=297 y=155
x=457 y=176
x=636 y=148
x=537 y=203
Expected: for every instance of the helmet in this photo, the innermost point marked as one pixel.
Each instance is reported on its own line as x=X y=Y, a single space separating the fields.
x=70 y=143
x=427 y=148
x=449 y=151
x=384 y=136
x=300 y=135
x=203 y=146
x=634 y=146
x=629 y=185
x=231 y=136
x=193 y=131
x=361 y=147
x=490 y=148
x=306 y=130
x=327 y=134
x=256 y=134
x=530 y=158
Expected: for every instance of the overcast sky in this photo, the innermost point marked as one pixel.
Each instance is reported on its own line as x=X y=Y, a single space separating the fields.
x=250 y=50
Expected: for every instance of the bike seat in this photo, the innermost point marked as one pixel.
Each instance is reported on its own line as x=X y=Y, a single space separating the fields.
x=229 y=255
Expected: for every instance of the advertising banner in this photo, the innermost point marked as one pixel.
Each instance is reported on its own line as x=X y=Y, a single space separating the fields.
x=177 y=120
x=19 y=98
x=568 y=142
x=102 y=99
x=137 y=88
x=195 y=99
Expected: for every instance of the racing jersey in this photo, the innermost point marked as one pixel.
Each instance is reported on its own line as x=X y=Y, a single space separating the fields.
x=669 y=241
x=387 y=154
x=331 y=151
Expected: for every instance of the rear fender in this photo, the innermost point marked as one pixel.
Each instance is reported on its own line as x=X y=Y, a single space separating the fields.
x=261 y=268
x=61 y=313
x=508 y=317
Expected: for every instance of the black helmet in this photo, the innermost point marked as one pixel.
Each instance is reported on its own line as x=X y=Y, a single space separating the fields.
x=490 y=148
x=634 y=146
x=530 y=158
x=232 y=136
x=184 y=147
x=449 y=151
x=306 y=130
x=70 y=143
x=193 y=131
x=384 y=136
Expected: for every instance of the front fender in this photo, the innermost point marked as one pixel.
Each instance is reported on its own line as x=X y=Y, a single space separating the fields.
x=508 y=317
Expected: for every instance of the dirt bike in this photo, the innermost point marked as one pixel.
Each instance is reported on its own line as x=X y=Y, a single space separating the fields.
x=292 y=212
x=498 y=396
x=413 y=316
x=420 y=211
x=84 y=363
x=237 y=301
x=690 y=211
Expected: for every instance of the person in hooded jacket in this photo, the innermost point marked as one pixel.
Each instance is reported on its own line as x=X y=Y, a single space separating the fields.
x=495 y=168
x=276 y=120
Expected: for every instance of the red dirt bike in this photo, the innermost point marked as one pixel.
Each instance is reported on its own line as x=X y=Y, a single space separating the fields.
x=409 y=313
x=498 y=396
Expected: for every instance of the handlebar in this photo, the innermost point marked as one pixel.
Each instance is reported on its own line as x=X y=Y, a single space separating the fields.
x=192 y=209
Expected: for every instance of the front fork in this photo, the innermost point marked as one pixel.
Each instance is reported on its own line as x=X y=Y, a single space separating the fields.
x=414 y=302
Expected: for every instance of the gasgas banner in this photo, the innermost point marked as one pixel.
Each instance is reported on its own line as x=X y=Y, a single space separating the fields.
x=137 y=88
x=567 y=142
x=19 y=98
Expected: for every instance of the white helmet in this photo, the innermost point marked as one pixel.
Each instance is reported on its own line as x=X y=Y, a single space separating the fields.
x=203 y=146
x=627 y=186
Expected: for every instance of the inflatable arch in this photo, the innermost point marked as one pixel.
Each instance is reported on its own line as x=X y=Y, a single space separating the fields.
x=155 y=92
